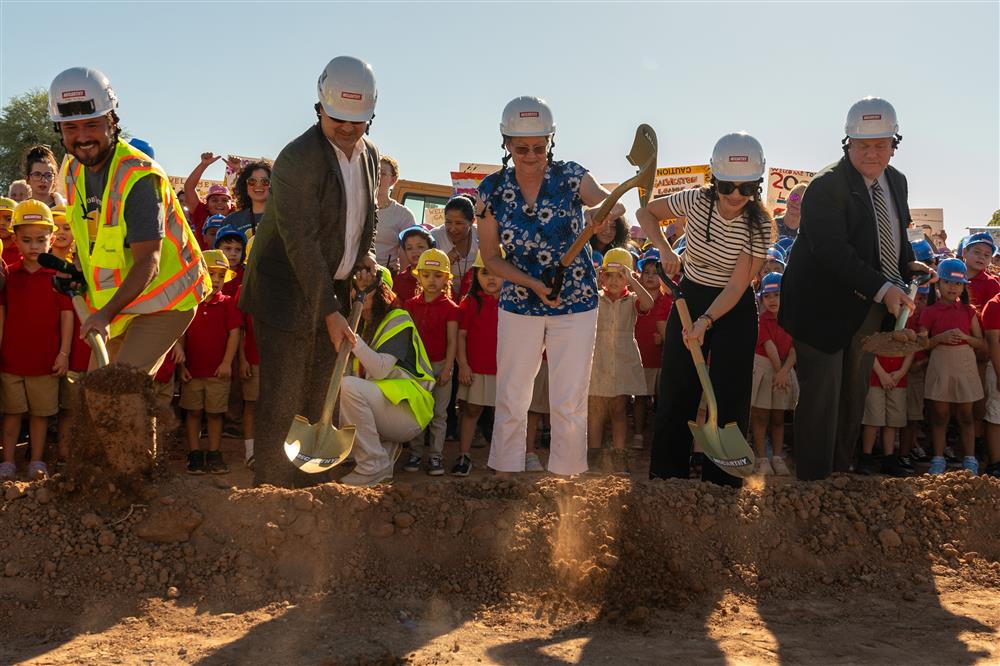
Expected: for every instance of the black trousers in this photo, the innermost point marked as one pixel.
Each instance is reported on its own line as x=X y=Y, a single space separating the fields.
x=730 y=342
x=295 y=368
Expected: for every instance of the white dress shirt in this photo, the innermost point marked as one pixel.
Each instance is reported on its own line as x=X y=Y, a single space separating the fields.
x=356 y=195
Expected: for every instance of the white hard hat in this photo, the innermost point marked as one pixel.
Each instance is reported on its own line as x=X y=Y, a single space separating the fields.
x=737 y=158
x=871 y=118
x=347 y=90
x=81 y=93
x=527 y=116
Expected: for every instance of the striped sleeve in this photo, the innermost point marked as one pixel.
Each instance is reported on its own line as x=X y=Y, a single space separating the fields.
x=680 y=202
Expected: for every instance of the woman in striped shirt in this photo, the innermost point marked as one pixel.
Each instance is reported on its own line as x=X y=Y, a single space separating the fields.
x=728 y=232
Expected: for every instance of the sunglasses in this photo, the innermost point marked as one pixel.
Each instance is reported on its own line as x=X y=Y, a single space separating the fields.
x=254 y=182
x=746 y=189
x=524 y=150
x=42 y=175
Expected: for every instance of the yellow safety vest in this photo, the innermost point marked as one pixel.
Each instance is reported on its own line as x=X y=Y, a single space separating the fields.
x=401 y=384
x=183 y=280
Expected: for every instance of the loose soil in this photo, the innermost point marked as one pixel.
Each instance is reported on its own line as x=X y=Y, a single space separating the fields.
x=613 y=569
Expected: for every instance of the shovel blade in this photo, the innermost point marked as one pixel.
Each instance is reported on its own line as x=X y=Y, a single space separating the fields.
x=643 y=156
x=726 y=447
x=315 y=448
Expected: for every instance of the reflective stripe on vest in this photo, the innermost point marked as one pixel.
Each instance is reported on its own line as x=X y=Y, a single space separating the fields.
x=182 y=281
x=396 y=321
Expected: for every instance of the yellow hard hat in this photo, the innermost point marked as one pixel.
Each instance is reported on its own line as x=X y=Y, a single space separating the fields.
x=478 y=263
x=7 y=204
x=59 y=213
x=617 y=260
x=32 y=211
x=433 y=260
x=216 y=260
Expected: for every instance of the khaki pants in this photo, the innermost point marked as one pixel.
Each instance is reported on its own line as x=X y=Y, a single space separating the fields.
x=380 y=424
x=148 y=338
x=438 y=424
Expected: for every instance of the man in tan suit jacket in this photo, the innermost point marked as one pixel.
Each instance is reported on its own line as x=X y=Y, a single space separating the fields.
x=318 y=228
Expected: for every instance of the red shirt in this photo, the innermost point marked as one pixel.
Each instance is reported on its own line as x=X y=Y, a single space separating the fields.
x=913 y=323
x=982 y=288
x=481 y=321
x=79 y=354
x=249 y=337
x=431 y=320
x=463 y=287
x=890 y=364
x=768 y=329
x=942 y=317
x=991 y=314
x=166 y=372
x=198 y=217
x=404 y=285
x=33 y=309
x=206 y=337
x=11 y=255
x=645 y=326
x=232 y=288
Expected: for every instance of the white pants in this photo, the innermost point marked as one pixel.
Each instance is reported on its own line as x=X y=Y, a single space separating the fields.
x=439 y=424
x=377 y=420
x=569 y=342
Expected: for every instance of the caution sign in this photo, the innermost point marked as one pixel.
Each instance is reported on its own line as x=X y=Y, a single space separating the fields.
x=679 y=178
x=779 y=183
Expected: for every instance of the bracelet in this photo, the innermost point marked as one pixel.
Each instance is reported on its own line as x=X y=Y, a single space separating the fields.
x=710 y=318
x=63 y=354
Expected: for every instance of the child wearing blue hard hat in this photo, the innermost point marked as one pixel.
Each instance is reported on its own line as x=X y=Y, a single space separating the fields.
x=233 y=243
x=952 y=382
x=210 y=229
x=775 y=386
x=649 y=329
x=977 y=253
x=413 y=241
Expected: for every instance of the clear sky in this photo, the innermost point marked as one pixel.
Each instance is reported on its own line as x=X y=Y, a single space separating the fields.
x=241 y=78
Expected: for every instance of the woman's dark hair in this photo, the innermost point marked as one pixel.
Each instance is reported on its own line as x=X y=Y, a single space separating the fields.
x=242 y=194
x=758 y=218
x=620 y=239
x=384 y=299
x=475 y=291
x=464 y=204
x=38 y=153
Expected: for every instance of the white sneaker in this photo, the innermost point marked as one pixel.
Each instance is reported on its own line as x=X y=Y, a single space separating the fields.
x=763 y=467
x=779 y=466
x=532 y=463
x=637 y=441
x=359 y=480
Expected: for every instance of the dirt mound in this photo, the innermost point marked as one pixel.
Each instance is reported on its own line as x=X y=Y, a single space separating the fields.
x=608 y=543
x=114 y=431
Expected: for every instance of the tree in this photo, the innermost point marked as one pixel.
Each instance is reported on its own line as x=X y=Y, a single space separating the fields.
x=995 y=220
x=25 y=122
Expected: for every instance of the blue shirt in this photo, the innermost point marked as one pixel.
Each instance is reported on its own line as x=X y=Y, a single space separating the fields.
x=535 y=238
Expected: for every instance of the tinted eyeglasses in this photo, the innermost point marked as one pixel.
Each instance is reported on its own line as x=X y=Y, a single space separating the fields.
x=746 y=189
x=524 y=150
x=254 y=182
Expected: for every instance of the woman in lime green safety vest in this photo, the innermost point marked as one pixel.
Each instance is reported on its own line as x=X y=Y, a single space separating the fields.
x=390 y=398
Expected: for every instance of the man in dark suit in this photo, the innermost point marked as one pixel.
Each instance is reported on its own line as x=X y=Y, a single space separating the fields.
x=846 y=271
x=319 y=227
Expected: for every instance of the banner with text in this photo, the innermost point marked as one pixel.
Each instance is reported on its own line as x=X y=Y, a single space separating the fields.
x=779 y=183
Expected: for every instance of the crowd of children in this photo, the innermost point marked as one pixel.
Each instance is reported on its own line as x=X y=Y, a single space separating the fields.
x=940 y=406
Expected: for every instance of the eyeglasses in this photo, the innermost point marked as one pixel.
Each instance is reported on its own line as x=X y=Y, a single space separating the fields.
x=42 y=175
x=254 y=182
x=525 y=150
x=746 y=189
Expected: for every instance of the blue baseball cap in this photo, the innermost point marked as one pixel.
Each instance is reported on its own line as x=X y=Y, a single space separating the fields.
x=651 y=254
x=952 y=270
x=213 y=222
x=419 y=231
x=922 y=250
x=981 y=237
x=770 y=284
x=229 y=231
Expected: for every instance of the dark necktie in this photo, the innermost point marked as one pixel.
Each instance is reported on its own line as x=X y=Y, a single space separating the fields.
x=886 y=248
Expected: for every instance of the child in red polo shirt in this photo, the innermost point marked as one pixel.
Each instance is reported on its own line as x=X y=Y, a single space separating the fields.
x=413 y=241
x=477 y=356
x=233 y=244
x=436 y=318
x=210 y=345
x=952 y=381
x=885 y=413
x=36 y=325
x=775 y=385
x=649 y=329
x=983 y=285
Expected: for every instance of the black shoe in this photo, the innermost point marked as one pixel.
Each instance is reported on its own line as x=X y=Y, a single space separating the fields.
x=215 y=464
x=892 y=466
x=906 y=463
x=993 y=470
x=462 y=466
x=546 y=439
x=868 y=465
x=196 y=462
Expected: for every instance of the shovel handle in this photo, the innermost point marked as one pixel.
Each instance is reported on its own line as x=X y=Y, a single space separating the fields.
x=339 y=366
x=904 y=314
x=94 y=339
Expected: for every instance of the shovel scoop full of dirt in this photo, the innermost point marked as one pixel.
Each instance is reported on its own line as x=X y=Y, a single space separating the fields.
x=114 y=429
x=895 y=343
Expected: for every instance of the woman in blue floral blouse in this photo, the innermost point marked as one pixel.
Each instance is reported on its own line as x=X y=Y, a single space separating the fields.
x=535 y=211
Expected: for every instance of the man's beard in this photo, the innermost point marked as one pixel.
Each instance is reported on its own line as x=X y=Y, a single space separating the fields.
x=99 y=157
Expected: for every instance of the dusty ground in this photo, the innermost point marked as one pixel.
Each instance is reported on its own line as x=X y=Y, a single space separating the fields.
x=538 y=570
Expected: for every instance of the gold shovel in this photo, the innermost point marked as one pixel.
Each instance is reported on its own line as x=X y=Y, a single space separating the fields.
x=317 y=448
